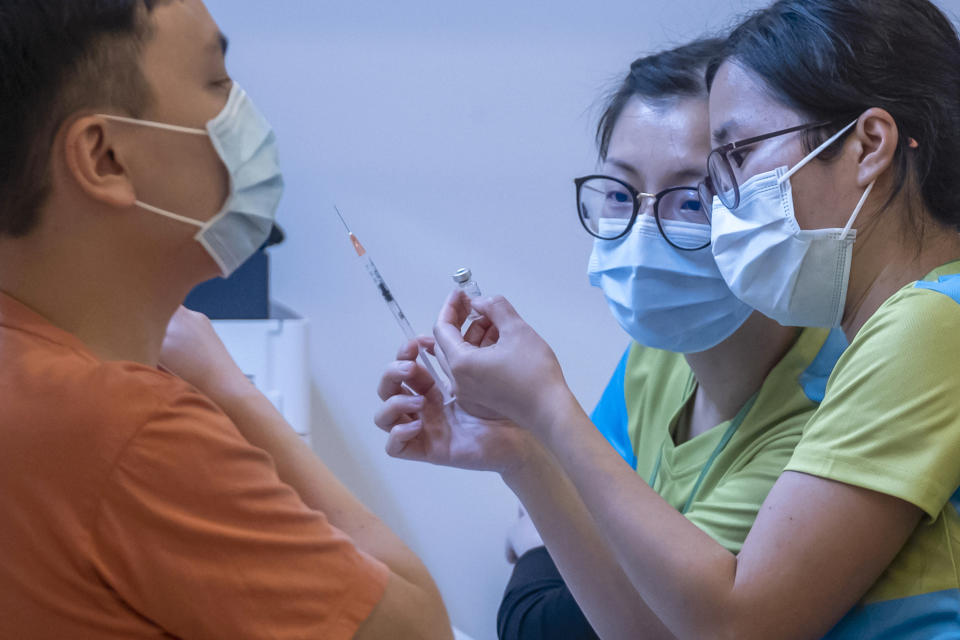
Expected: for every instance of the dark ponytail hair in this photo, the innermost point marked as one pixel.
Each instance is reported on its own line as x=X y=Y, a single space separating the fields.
x=662 y=77
x=833 y=59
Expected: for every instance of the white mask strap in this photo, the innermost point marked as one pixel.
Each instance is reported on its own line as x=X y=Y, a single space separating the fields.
x=816 y=152
x=155 y=125
x=166 y=127
x=167 y=214
x=856 y=212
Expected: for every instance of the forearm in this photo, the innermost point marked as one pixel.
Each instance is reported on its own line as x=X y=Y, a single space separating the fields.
x=669 y=561
x=297 y=465
x=589 y=568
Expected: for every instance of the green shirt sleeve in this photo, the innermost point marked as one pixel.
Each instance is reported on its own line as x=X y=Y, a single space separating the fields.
x=890 y=421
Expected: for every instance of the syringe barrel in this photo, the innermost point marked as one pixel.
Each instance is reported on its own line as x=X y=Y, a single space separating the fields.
x=398 y=314
x=402 y=320
x=392 y=303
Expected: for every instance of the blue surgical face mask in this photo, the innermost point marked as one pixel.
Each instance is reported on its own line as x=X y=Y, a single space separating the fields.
x=663 y=297
x=796 y=276
x=247 y=146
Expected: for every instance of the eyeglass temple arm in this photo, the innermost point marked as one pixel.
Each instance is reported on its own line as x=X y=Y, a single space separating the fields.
x=743 y=143
x=816 y=152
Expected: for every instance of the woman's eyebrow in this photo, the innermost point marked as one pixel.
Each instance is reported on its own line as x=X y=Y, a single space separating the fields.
x=722 y=134
x=624 y=166
x=690 y=175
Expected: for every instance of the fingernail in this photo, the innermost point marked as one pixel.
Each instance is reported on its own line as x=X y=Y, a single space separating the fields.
x=419 y=402
x=406 y=367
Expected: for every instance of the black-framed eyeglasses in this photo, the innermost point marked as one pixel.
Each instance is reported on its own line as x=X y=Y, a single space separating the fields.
x=608 y=208
x=722 y=181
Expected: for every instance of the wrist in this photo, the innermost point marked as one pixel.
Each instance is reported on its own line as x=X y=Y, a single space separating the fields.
x=555 y=409
x=527 y=467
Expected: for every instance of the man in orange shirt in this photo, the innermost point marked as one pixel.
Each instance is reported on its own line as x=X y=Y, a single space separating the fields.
x=135 y=503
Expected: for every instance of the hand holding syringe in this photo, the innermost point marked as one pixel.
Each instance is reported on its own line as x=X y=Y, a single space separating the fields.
x=394 y=307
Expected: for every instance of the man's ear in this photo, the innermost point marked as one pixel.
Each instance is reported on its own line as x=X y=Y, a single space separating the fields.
x=878 y=137
x=96 y=164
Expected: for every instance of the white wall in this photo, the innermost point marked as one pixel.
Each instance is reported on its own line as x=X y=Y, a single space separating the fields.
x=449 y=134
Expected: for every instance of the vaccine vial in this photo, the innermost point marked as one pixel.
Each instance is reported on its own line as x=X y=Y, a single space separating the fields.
x=464 y=279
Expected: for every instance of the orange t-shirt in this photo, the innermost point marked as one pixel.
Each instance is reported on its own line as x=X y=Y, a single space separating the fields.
x=131 y=507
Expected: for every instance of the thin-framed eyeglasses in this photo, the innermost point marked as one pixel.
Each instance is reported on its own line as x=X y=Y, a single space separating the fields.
x=721 y=180
x=608 y=208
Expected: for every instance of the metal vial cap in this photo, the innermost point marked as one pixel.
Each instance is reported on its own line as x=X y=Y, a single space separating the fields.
x=462 y=276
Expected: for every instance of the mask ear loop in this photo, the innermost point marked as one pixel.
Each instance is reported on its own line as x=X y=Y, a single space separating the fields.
x=155 y=125
x=856 y=212
x=816 y=152
x=166 y=127
x=168 y=214
x=913 y=144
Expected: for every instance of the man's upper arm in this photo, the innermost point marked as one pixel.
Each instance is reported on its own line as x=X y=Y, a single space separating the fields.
x=196 y=532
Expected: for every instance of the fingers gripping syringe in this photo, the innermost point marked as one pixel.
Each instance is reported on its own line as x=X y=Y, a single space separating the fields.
x=395 y=309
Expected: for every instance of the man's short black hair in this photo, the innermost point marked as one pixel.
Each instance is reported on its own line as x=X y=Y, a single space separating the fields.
x=58 y=57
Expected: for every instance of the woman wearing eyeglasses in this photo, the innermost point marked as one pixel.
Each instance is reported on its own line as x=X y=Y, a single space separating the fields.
x=860 y=536
x=709 y=402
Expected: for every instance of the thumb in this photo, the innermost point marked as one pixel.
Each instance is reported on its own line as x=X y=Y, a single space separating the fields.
x=448 y=332
x=449 y=342
x=499 y=310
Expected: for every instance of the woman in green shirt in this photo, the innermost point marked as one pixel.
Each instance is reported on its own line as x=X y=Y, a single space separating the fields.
x=838 y=120
x=713 y=461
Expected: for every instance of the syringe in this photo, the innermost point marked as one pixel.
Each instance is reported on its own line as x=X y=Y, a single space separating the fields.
x=395 y=309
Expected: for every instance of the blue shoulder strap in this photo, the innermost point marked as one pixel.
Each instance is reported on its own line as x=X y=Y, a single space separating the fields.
x=814 y=378
x=947 y=285
x=950 y=287
x=610 y=416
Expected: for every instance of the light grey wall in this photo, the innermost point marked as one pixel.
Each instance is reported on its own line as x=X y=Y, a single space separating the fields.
x=449 y=134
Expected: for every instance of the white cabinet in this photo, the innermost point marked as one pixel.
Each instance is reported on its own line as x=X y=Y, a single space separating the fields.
x=273 y=354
